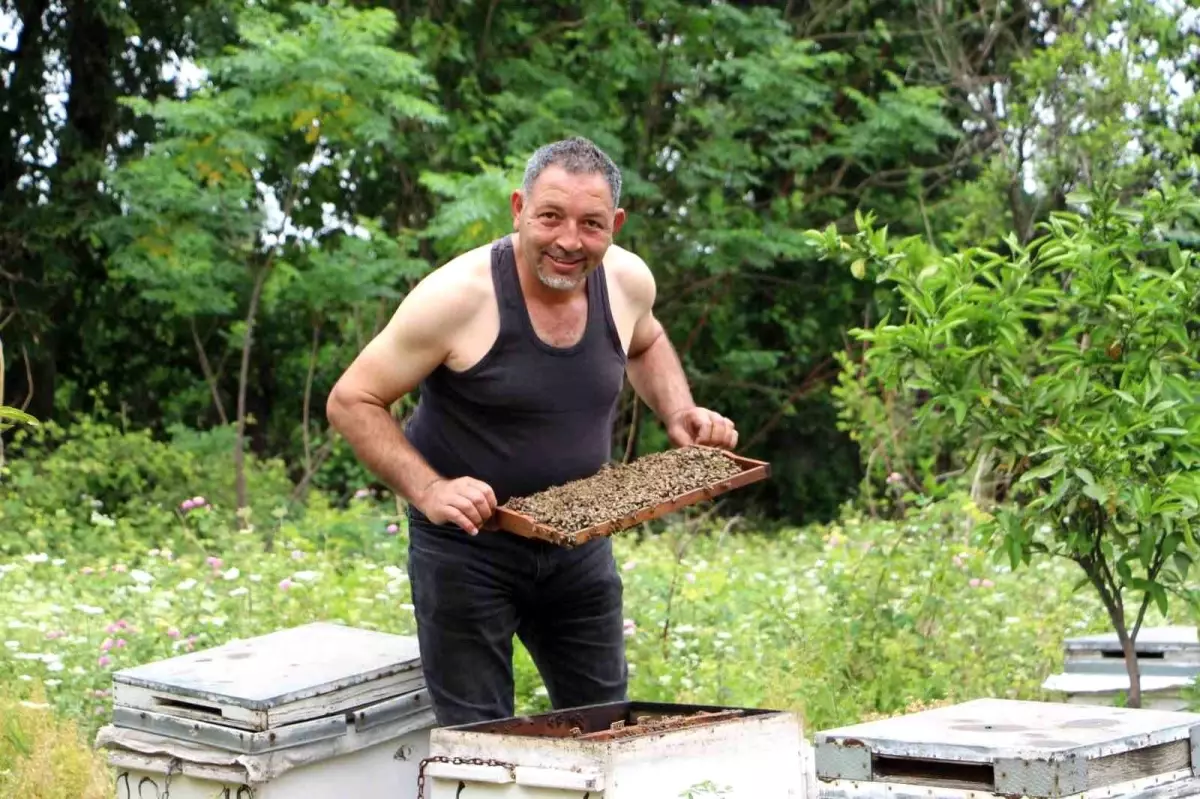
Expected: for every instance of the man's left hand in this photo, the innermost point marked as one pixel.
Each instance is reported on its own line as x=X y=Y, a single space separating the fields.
x=701 y=426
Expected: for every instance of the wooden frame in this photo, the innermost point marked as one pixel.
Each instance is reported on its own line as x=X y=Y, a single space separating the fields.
x=523 y=525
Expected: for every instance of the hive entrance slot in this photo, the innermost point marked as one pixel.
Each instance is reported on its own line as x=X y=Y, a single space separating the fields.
x=922 y=771
x=1117 y=654
x=161 y=703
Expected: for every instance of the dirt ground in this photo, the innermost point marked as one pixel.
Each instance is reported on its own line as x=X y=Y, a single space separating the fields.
x=621 y=489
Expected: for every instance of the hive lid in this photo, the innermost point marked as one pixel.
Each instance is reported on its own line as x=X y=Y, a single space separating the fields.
x=1103 y=683
x=292 y=675
x=1009 y=746
x=1150 y=640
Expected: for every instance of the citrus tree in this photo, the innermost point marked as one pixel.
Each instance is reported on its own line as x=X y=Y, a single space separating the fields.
x=1071 y=363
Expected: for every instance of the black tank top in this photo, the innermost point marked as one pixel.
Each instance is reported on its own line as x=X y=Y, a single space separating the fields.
x=528 y=415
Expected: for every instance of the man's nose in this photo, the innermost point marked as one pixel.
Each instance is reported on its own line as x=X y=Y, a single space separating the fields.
x=568 y=237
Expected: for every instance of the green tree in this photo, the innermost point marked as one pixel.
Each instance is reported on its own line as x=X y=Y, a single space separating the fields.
x=246 y=199
x=1073 y=362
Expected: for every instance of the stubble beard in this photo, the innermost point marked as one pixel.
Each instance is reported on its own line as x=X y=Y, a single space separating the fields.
x=559 y=282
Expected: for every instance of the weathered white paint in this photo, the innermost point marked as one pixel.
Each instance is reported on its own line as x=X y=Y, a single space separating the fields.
x=755 y=757
x=280 y=678
x=320 y=711
x=1175 y=785
x=992 y=747
x=386 y=769
x=1094 y=671
x=985 y=729
x=1159 y=691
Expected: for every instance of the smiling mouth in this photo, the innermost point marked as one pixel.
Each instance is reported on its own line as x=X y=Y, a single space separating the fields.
x=565 y=265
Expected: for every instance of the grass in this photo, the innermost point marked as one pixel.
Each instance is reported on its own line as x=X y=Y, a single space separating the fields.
x=44 y=756
x=841 y=622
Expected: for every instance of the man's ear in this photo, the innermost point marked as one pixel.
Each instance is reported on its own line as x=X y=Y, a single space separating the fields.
x=618 y=220
x=517 y=201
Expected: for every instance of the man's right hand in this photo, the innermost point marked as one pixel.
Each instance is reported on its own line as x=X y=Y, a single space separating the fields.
x=464 y=501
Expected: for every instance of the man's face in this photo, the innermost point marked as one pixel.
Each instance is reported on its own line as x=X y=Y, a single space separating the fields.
x=566 y=224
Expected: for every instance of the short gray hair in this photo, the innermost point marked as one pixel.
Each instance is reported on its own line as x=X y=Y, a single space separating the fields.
x=577 y=155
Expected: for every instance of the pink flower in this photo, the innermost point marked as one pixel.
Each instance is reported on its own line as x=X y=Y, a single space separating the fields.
x=106 y=645
x=392 y=529
x=53 y=634
x=974 y=582
x=173 y=633
x=362 y=493
x=120 y=567
x=987 y=583
x=213 y=561
x=894 y=478
x=957 y=561
x=87 y=570
x=297 y=555
x=630 y=628
x=285 y=584
x=120 y=643
x=104 y=661
x=199 y=502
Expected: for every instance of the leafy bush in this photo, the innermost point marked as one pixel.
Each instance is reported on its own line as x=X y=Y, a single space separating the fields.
x=1073 y=362
x=92 y=486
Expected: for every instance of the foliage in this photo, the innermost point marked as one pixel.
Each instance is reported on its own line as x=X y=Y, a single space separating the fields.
x=91 y=487
x=211 y=213
x=738 y=126
x=43 y=756
x=1073 y=362
x=859 y=617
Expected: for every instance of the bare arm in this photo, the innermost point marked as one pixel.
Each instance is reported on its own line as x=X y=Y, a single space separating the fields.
x=657 y=375
x=655 y=371
x=414 y=343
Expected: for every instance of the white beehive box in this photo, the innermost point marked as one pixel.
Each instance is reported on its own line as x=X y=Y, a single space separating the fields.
x=320 y=711
x=1094 y=668
x=1007 y=748
x=623 y=750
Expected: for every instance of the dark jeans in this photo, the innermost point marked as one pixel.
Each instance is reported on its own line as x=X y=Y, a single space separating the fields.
x=473 y=593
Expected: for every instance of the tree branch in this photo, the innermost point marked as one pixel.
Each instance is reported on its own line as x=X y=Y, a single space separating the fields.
x=209 y=376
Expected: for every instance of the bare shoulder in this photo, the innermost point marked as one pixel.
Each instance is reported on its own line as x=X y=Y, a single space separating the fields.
x=631 y=276
x=450 y=295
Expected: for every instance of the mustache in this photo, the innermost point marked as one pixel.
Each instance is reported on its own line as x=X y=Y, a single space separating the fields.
x=562 y=255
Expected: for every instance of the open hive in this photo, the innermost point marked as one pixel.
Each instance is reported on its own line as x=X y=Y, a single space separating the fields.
x=621 y=496
x=623 y=750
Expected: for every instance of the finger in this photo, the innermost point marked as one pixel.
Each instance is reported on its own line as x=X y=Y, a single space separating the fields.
x=727 y=432
x=456 y=516
x=479 y=501
x=704 y=429
x=733 y=443
x=488 y=493
x=467 y=507
x=680 y=436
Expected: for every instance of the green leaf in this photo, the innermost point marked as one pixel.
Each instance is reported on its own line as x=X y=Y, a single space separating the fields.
x=17 y=415
x=1042 y=472
x=1085 y=475
x=1170 y=431
x=1096 y=492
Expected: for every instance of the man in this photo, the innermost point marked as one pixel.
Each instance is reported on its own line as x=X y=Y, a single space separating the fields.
x=520 y=349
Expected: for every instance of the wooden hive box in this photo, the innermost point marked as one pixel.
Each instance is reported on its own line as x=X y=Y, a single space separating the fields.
x=1013 y=748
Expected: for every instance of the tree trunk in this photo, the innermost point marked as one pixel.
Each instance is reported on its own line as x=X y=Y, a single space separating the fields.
x=239 y=451
x=1131 y=664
